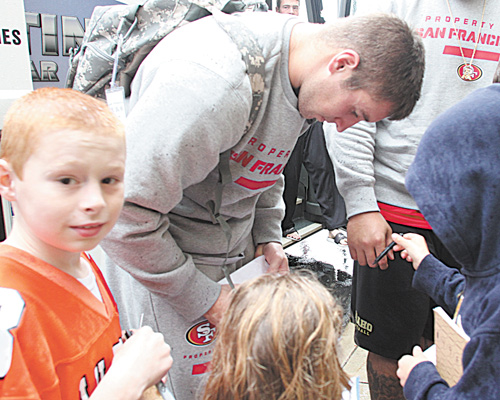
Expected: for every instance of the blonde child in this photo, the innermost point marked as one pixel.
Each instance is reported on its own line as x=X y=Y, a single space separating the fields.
x=62 y=166
x=278 y=340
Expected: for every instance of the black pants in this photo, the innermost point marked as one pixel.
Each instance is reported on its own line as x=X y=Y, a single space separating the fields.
x=311 y=151
x=389 y=314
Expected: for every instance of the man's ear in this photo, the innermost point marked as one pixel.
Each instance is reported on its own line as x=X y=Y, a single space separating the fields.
x=7 y=181
x=346 y=59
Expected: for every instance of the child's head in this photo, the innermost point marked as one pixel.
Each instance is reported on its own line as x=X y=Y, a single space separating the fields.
x=48 y=110
x=278 y=340
x=62 y=167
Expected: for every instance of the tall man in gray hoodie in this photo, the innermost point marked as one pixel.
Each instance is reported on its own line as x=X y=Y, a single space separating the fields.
x=371 y=160
x=190 y=103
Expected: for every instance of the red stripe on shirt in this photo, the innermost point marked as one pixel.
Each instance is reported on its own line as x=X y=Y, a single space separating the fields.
x=403 y=216
x=199 y=369
x=480 y=54
x=254 y=185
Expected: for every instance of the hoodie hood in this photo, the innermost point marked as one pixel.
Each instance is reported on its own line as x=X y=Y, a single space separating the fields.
x=455 y=181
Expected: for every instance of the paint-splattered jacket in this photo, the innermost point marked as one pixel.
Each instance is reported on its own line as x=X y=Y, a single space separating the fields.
x=190 y=102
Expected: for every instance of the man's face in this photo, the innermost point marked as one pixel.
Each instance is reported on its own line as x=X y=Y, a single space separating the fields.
x=289 y=7
x=330 y=100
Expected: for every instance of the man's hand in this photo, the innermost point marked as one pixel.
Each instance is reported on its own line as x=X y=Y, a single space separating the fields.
x=278 y=262
x=368 y=235
x=274 y=255
x=407 y=363
x=214 y=315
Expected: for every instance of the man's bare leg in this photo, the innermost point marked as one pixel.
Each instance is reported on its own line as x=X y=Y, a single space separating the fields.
x=382 y=378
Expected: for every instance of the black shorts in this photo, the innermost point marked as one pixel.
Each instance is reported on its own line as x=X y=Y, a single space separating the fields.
x=389 y=315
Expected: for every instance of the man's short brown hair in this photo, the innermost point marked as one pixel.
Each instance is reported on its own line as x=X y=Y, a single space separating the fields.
x=392 y=58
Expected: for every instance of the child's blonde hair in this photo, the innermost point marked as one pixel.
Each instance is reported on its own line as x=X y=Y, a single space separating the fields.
x=278 y=340
x=48 y=110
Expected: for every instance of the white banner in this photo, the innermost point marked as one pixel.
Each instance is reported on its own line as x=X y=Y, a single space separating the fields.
x=15 y=74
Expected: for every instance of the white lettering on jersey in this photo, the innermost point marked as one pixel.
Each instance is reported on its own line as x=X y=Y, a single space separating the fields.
x=99 y=370
x=11 y=310
x=84 y=388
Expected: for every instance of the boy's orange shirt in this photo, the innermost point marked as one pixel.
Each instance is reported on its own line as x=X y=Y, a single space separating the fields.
x=57 y=335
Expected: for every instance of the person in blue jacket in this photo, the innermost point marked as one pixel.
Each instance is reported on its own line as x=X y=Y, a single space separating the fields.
x=455 y=181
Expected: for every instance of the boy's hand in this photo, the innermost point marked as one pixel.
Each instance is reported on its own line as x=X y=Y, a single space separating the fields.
x=407 y=363
x=145 y=353
x=413 y=247
x=142 y=361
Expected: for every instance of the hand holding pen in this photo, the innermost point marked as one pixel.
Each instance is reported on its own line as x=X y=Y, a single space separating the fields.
x=413 y=248
x=385 y=251
x=152 y=354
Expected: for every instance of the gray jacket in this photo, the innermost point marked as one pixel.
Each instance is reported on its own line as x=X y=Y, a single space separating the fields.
x=371 y=160
x=190 y=102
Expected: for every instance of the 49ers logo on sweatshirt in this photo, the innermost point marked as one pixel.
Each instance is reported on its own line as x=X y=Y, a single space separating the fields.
x=469 y=72
x=201 y=334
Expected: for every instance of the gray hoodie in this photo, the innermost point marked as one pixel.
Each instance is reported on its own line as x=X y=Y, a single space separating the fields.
x=370 y=159
x=190 y=103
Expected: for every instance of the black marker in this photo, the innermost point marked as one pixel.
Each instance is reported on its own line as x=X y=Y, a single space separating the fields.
x=384 y=253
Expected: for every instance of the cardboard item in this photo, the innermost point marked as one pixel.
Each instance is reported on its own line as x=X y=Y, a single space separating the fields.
x=450 y=340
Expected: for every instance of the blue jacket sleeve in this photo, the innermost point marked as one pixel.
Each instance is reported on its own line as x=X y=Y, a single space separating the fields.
x=443 y=284
x=423 y=379
x=481 y=368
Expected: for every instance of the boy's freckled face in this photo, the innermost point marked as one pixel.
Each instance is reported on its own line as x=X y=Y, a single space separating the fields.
x=71 y=193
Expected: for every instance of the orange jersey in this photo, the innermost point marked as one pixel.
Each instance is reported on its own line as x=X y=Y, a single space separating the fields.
x=56 y=337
